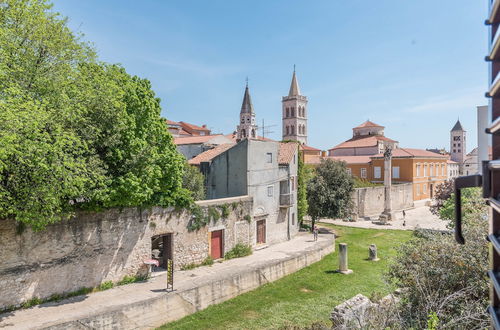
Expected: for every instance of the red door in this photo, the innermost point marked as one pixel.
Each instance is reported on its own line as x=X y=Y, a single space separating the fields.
x=216 y=248
x=261 y=231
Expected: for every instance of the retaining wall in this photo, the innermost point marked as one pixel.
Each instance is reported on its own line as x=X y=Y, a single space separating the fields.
x=369 y=201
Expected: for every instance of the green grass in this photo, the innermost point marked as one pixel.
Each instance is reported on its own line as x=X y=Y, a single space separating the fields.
x=308 y=295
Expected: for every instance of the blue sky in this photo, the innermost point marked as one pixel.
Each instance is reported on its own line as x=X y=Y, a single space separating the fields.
x=414 y=66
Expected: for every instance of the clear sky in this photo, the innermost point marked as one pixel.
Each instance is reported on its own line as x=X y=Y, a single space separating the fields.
x=413 y=66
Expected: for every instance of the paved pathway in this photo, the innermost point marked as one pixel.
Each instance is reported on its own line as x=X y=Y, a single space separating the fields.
x=77 y=308
x=419 y=217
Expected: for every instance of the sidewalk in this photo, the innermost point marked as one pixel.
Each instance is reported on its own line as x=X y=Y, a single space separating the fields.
x=420 y=217
x=147 y=304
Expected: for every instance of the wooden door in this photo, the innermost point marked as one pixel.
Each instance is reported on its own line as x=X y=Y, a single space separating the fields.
x=216 y=244
x=261 y=231
x=167 y=249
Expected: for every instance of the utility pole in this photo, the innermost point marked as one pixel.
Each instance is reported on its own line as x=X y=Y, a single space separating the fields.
x=265 y=129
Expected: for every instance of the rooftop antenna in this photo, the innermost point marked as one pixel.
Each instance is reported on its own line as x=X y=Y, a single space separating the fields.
x=247 y=80
x=294 y=68
x=265 y=129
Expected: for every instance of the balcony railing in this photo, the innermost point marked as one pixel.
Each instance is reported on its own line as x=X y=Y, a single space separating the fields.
x=494 y=12
x=286 y=200
x=495 y=86
x=495 y=45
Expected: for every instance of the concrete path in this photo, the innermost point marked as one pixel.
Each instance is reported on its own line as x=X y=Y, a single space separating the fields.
x=419 y=217
x=148 y=305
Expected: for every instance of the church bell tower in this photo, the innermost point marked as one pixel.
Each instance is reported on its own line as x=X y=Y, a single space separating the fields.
x=294 y=108
x=247 y=129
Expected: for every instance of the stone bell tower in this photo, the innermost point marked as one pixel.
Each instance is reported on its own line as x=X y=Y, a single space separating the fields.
x=294 y=107
x=457 y=143
x=247 y=129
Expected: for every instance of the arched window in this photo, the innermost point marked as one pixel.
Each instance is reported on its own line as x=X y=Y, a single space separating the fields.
x=253 y=133
x=301 y=111
x=301 y=129
x=293 y=112
x=293 y=128
x=304 y=129
x=248 y=120
x=243 y=133
x=287 y=112
x=287 y=130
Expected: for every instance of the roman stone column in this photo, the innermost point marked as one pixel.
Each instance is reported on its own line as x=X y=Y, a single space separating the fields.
x=387 y=215
x=343 y=266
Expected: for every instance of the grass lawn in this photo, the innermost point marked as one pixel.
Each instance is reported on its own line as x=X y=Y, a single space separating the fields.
x=308 y=295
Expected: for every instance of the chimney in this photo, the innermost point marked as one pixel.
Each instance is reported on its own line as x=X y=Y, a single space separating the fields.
x=204 y=125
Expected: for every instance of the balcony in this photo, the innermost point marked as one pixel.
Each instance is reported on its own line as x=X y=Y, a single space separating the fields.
x=495 y=86
x=494 y=16
x=286 y=200
x=495 y=46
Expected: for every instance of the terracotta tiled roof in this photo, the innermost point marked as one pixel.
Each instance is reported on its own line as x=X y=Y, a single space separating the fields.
x=194 y=127
x=210 y=154
x=194 y=139
x=183 y=132
x=362 y=141
x=368 y=124
x=173 y=123
x=346 y=159
x=286 y=152
x=304 y=147
x=410 y=152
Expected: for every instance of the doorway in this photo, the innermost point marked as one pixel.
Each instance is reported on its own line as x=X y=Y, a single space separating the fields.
x=432 y=190
x=217 y=244
x=261 y=231
x=162 y=248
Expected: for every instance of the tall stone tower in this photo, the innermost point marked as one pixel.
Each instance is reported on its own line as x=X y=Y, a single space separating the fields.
x=294 y=113
x=247 y=129
x=457 y=143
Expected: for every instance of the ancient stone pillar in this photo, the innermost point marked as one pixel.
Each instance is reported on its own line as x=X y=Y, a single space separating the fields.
x=343 y=265
x=372 y=251
x=387 y=215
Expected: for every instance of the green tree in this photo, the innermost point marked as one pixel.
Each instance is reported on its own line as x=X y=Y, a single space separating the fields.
x=329 y=191
x=194 y=181
x=473 y=206
x=441 y=195
x=75 y=133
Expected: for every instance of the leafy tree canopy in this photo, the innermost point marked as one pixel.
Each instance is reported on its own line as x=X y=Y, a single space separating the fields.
x=194 y=181
x=75 y=132
x=329 y=191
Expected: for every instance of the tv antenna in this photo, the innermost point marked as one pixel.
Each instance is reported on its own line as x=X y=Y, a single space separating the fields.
x=266 y=129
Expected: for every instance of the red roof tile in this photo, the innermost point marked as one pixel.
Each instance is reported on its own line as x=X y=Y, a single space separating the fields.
x=346 y=159
x=210 y=154
x=286 y=152
x=410 y=152
x=305 y=147
x=194 y=127
x=170 y=122
x=362 y=141
x=368 y=124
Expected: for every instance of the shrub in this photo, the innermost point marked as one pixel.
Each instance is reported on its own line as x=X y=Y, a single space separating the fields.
x=248 y=218
x=127 y=279
x=224 y=211
x=208 y=261
x=105 y=285
x=443 y=280
x=238 y=251
x=363 y=183
x=189 y=266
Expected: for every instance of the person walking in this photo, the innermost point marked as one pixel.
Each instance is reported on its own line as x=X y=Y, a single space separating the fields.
x=315 y=232
x=404 y=214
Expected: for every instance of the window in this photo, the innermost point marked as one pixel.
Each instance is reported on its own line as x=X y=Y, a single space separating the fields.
x=456 y=138
x=293 y=112
x=454 y=144
x=269 y=157
x=395 y=172
x=270 y=190
x=292 y=183
x=287 y=130
x=431 y=169
x=349 y=171
x=418 y=189
x=287 y=112
x=418 y=169
x=458 y=144
x=458 y=150
x=363 y=173
x=425 y=169
x=454 y=150
x=293 y=219
x=377 y=172
x=424 y=190
x=442 y=170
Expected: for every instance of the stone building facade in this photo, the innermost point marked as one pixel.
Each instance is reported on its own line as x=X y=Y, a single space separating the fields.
x=458 y=150
x=95 y=247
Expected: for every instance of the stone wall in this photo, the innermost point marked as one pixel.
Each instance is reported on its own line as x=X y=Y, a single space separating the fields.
x=94 y=247
x=369 y=201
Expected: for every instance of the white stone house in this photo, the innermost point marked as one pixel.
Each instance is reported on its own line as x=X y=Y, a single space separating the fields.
x=263 y=170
